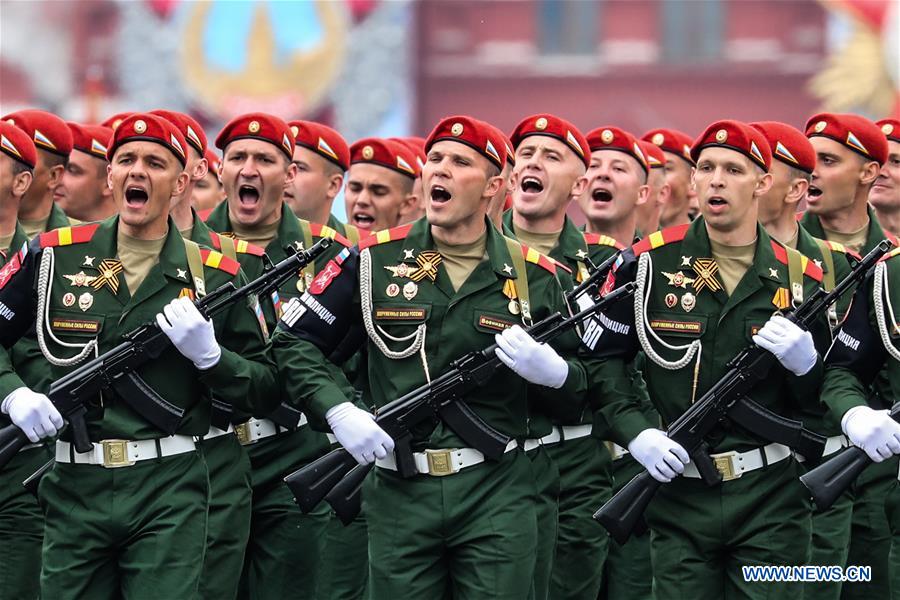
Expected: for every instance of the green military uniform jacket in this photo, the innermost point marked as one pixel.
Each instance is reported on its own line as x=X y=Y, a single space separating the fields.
x=875 y=234
x=80 y=311
x=7 y=377
x=413 y=299
x=687 y=303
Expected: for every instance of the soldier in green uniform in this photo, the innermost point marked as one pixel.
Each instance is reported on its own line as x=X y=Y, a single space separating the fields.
x=885 y=193
x=53 y=140
x=705 y=291
x=208 y=192
x=82 y=192
x=256 y=167
x=571 y=470
x=850 y=151
x=648 y=212
x=21 y=522
x=793 y=162
x=498 y=203
x=425 y=294
x=676 y=147
x=109 y=531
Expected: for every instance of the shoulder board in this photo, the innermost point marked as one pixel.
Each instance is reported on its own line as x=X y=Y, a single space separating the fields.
x=385 y=235
x=240 y=246
x=204 y=214
x=216 y=260
x=329 y=232
x=66 y=236
x=560 y=265
x=842 y=249
x=533 y=256
x=661 y=238
x=810 y=269
x=602 y=240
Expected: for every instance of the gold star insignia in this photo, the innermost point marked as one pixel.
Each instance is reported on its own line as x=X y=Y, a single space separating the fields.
x=507 y=269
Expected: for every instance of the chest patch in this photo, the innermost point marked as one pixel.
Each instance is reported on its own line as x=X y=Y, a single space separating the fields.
x=74 y=325
x=390 y=313
x=673 y=326
x=493 y=323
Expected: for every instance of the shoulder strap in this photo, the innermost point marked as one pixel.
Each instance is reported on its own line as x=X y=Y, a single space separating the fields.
x=352 y=233
x=225 y=244
x=195 y=264
x=828 y=262
x=795 y=274
x=521 y=282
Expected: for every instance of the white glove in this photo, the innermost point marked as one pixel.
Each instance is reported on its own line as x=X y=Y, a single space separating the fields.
x=534 y=362
x=33 y=413
x=662 y=457
x=357 y=432
x=190 y=332
x=873 y=431
x=792 y=346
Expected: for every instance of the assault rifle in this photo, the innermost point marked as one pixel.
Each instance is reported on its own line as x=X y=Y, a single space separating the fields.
x=337 y=478
x=728 y=399
x=116 y=368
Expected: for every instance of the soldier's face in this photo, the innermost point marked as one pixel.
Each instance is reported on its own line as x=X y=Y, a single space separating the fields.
x=458 y=184
x=728 y=186
x=678 y=176
x=836 y=179
x=255 y=174
x=615 y=187
x=82 y=184
x=143 y=177
x=771 y=204
x=546 y=176
x=376 y=197
x=316 y=184
x=885 y=192
x=207 y=192
x=47 y=174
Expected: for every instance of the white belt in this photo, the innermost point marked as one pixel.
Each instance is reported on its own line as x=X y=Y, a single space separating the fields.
x=734 y=464
x=559 y=434
x=254 y=430
x=615 y=450
x=124 y=453
x=214 y=432
x=442 y=462
x=832 y=445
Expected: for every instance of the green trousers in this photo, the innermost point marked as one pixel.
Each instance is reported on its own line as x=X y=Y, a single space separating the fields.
x=830 y=544
x=701 y=536
x=133 y=532
x=283 y=551
x=228 y=521
x=628 y=573
x=892 y=510
x=870 y=537
x=467 y=536
x=585 y=475
x=547 y=486
x=344 y=561
x=21 y=527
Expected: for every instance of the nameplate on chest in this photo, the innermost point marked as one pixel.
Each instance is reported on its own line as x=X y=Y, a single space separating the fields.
x=493 y=323
x=74 y=325
x=389 y=313
x=673 y=326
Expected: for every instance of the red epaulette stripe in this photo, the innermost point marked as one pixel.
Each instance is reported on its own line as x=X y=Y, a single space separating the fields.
x=780 y=252
x=533 y=256
x=602 y=240
x=842 y=249
x=658 y=239
x=386 y=235
x=204 y=214
x=216 y=240
x=561 y=265
x=319 y=230
x=810 y=269
x=813 y=270
x=219 y=261
x=65 y=236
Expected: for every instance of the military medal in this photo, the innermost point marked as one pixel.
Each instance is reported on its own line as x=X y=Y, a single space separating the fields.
x=781 y=300
x=85 y=301
x=402 y=270
x=679 y=279
x=79 y=279
x=392 y=290
x=410 y=290
x=688 y=302
x=301 y=283
x=68 y=299
x=509 y=290
x=706 y=269
x=671 y=300
x=513 y=307
x=428 y=261
x=109 y=275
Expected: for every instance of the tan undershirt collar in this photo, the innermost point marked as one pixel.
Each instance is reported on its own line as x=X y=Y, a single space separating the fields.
x=187 y=233
x=138 y=257
x=6 y=240
x=542 y=242
x=459 y=261
x=34 y=227
x=261 y=235
x=792 y=243
x=733 y=262
x=854 y=240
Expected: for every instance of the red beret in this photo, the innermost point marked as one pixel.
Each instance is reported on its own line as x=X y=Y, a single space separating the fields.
x=213 y=160
x=736 y=136
x=385 y=153
x=857 y=133
x=412 y=144
x=671 y=140
x=48 y=131
x=510 y=153
x=258 y=126
x=890 y=128
x=91 y=139
x=115 y=120
x=555 y=127
x=655 y=157
x=149 y=128
x=15 y=143
x=480 y=136
x=613 y=138
x=187 y=125
x=322 y=140
x=788 y=144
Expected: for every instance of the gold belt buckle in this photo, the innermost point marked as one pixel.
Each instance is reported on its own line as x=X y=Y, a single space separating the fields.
x=242 y=432
x=115 y=454
x=725 y=465
x=439 y=462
